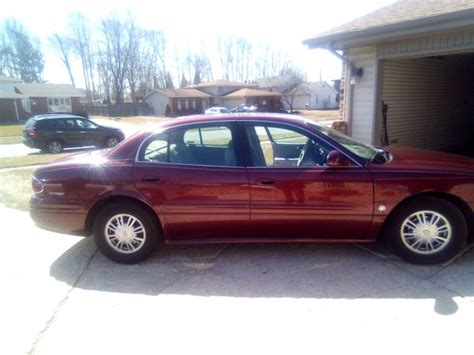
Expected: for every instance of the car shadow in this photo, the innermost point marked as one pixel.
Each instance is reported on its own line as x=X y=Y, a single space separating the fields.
x=341 y=271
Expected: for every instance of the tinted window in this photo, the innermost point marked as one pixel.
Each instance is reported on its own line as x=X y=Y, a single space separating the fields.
x=195 y=146
x=86 y=124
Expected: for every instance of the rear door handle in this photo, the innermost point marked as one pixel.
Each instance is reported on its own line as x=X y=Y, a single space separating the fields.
x=150 y=178
x=266 y=181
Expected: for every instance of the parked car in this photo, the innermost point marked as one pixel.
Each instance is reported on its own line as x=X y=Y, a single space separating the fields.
x=245 y=108
x=257 y=178
x=54 y=132
x=216 y=110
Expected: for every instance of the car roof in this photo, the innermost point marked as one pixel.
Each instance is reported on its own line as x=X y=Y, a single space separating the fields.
x=54 y=116
x=245 y=116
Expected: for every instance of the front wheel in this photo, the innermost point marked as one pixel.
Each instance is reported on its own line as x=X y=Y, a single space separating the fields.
x=125 y=233
x=427 y=231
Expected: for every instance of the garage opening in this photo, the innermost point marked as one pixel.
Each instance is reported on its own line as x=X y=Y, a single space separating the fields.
x=430 y=103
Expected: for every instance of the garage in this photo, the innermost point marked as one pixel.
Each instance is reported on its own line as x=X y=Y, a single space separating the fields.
x=429 y=102
x=408 y=74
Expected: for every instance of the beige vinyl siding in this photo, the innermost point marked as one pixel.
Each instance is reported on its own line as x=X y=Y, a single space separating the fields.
x=430 y=101
x=363 y=94
x=432 y=44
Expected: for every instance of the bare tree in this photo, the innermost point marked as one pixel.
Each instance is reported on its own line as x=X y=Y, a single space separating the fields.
x=81 y=38
x=20 y=53
x=63 y=48
x=118 y=42
x=288 y=85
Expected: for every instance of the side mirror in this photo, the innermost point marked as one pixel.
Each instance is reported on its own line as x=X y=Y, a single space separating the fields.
x=336 y=159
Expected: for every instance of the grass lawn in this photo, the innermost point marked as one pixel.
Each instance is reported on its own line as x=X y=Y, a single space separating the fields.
x=10 y=134
x=35 y=159
x=321 y=115
x=15 y=188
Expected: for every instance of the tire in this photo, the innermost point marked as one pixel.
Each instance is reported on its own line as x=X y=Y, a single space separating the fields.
x=427 y=231
x=111 y=141
x=54 y=146
x=125 y=246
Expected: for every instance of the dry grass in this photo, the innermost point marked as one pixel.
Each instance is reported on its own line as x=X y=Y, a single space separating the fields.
x=321 y=115
x=10 y=134
x=132 y=120
x=15 y=188
x=26 y=160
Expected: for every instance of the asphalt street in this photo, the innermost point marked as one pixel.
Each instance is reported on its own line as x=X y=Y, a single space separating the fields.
x=60 y=296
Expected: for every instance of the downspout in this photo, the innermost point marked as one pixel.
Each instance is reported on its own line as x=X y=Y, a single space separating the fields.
x=348 y=92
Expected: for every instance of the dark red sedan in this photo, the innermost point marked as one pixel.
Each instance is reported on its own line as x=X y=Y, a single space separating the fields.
x=257 y=178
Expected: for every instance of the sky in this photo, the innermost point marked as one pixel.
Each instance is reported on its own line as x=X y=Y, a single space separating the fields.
x=284 y=24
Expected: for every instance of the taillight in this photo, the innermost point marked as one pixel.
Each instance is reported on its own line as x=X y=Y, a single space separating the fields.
x=37 y=185
x=32 y=132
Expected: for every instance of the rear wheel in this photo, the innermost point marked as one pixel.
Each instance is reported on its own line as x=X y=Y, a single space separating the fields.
x=54 y=147
x=125 y=233
x=427 y=231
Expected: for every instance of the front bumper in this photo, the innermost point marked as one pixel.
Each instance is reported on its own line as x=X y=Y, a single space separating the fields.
x=58 y=216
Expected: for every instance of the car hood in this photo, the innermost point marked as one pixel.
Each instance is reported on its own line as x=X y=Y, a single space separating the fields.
x=428 y=160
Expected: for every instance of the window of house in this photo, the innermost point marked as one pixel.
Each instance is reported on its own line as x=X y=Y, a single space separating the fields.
x=179 y=105
x=186 y=104
x=59 y=104
x=194 y=104
x=26 y=105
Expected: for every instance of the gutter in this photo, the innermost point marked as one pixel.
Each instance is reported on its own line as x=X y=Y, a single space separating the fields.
x=344 y=40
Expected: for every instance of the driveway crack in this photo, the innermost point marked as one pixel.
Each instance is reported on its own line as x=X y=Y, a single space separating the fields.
x=60 y=305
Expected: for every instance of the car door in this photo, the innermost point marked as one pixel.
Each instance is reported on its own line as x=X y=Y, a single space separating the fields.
x=66 y=131
x=309 y=201
x=195 y=178
x=88 y=131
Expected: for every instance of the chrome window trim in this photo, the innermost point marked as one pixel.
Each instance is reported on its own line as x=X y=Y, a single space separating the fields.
x=357 y=163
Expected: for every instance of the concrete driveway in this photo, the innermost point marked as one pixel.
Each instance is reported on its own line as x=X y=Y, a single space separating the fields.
x=60 y=296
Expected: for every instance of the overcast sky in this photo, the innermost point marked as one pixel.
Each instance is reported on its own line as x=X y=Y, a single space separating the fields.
x=285 y=24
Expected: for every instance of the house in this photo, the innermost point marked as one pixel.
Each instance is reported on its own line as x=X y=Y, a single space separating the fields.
x=315 y=96
x=306 y=95
x=263 y=99
x=408 y=74
x=171 y=102
x=19 y=101
x=195 y=99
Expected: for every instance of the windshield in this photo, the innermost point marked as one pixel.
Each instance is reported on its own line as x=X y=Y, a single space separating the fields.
x=364 y=151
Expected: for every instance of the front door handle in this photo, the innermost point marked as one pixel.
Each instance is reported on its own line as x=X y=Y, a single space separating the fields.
x=150 y=178
x=266 y=181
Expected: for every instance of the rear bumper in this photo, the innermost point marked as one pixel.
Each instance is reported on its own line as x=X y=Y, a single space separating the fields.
x=31 y=143
x=58 y=216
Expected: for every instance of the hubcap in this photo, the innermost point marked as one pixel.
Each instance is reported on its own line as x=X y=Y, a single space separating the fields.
x=125 y=233
x=426 y=232
x=54 y=147
x=112 y=142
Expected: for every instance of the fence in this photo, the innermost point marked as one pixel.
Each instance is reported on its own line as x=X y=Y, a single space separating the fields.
x=122 y=110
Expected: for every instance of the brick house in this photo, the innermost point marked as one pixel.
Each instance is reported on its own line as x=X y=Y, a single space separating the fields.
x=19 y=101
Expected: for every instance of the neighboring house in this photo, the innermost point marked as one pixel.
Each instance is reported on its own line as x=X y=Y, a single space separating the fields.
x=195 y=99
x=19 y=101
x=417 y=58
x=315 y=96
x=220 y=87
x=263 y=99
x=178 y=102
x=311 y=95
